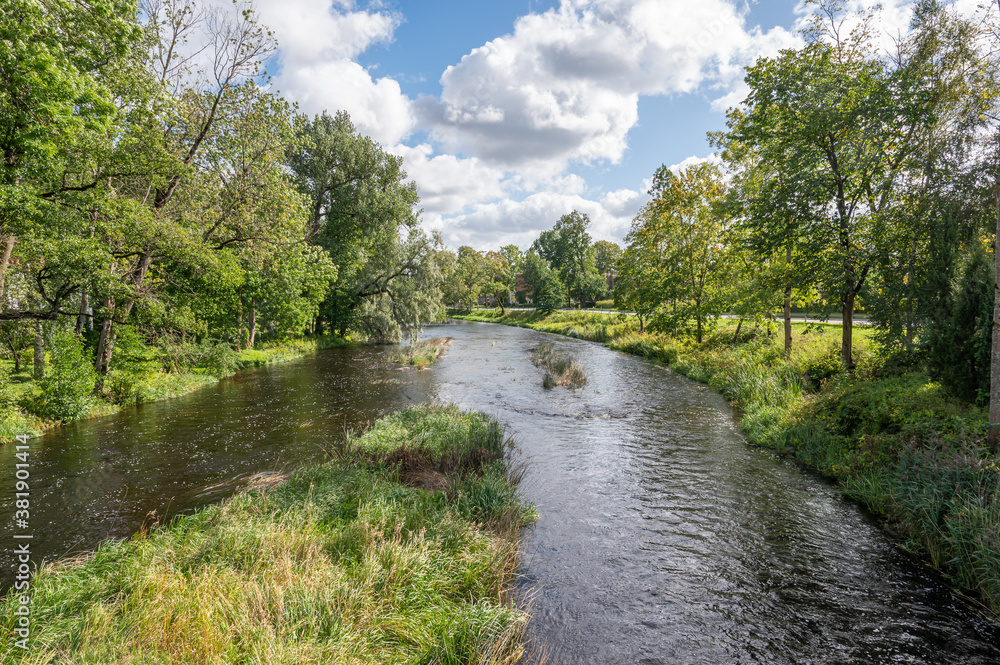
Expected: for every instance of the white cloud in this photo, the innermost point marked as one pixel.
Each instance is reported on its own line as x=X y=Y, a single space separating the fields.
x=492 y=225
x=693 y=160
x=565 y=84
x=448 y=184
x=319 y=41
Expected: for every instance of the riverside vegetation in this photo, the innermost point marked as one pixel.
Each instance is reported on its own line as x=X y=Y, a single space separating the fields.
x=143 y=373
x=402 y=549
x=422 y=354
x=560 y=369
x=894 y=439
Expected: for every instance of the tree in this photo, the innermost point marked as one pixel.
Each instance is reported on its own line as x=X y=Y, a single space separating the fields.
x=566 y=248
x=362 y=209
x=547 y=291
x=606 y=255
x=843 y=125
x=678 y=239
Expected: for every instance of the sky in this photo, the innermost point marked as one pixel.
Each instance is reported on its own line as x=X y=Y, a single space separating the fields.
x=511 y=113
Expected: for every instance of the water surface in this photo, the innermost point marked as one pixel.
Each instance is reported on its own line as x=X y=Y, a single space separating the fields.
x=663 y=537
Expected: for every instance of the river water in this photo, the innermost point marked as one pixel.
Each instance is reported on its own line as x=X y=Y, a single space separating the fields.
x=663 y=537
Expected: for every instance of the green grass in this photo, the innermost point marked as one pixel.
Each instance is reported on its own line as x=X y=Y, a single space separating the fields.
x=369 y=558
x=896 y=441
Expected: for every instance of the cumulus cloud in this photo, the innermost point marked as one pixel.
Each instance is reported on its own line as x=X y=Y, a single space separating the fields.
x=449 y=184
x=319 y=41
x=565 y=84
x=507 y=221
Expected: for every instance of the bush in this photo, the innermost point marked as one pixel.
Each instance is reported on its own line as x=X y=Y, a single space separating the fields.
x=66 y=392
x=820 y=368
x=220 y=360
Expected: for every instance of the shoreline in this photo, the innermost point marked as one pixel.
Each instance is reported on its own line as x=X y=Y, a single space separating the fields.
x=404 y=547
x=911 y=455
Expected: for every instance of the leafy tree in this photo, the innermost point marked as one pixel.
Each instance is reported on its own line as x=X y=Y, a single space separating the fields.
x=678 y=239
x=606 y=255
x=547 y=291
x=842 y=125
x=566 y=248
x=66 y=390
x=362 y=208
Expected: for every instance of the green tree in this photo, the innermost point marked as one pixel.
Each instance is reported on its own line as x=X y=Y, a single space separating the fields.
x=606 y=255
x=362 y=209
x=679 y=238
x=838 y=126
x=547 y=291
x=566 y=247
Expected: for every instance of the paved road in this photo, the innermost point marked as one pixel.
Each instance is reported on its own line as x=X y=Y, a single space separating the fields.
x=795 y=318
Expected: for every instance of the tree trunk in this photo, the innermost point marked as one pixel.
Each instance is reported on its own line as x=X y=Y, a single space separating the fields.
x=788 y=306
x=39 y=352
x=994 y=434
x=81 y=317
x=107 y=342
x=739 y=326
x=253 y=321
x=698 y=319
x=8 y=247
x=17 y=361
x=103 y=355
x=848 y=337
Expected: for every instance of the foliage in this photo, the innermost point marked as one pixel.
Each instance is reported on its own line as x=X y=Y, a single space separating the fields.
x=958 y=346
x=547 y=291
x=567 y=250
x=676 y=246
x=66 y=389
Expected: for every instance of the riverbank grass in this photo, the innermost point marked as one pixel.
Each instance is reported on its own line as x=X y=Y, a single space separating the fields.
x=353 y=561
x=894 y=439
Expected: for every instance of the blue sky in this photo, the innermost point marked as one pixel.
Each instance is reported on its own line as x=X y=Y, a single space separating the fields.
x=509 y=114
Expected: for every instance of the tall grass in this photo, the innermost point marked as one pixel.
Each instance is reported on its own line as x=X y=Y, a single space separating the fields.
x=349 y=562
x=560 y=369
x=423 y=353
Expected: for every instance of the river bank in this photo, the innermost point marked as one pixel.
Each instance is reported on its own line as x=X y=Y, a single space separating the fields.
x=402 y=549
x=894 y=440
x=143 y=385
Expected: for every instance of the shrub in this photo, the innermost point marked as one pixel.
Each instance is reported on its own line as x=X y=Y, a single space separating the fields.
x=66 y=390
x=822 y=367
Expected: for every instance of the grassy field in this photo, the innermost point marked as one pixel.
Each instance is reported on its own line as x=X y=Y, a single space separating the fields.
x=145 y=381
x=403 y=549
x=894 y=439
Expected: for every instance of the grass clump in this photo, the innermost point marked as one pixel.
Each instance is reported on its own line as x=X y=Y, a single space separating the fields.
x=422 y=354
x=347 y=562
x=560 y=370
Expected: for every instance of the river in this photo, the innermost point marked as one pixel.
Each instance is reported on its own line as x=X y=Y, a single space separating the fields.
x=663 y=537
